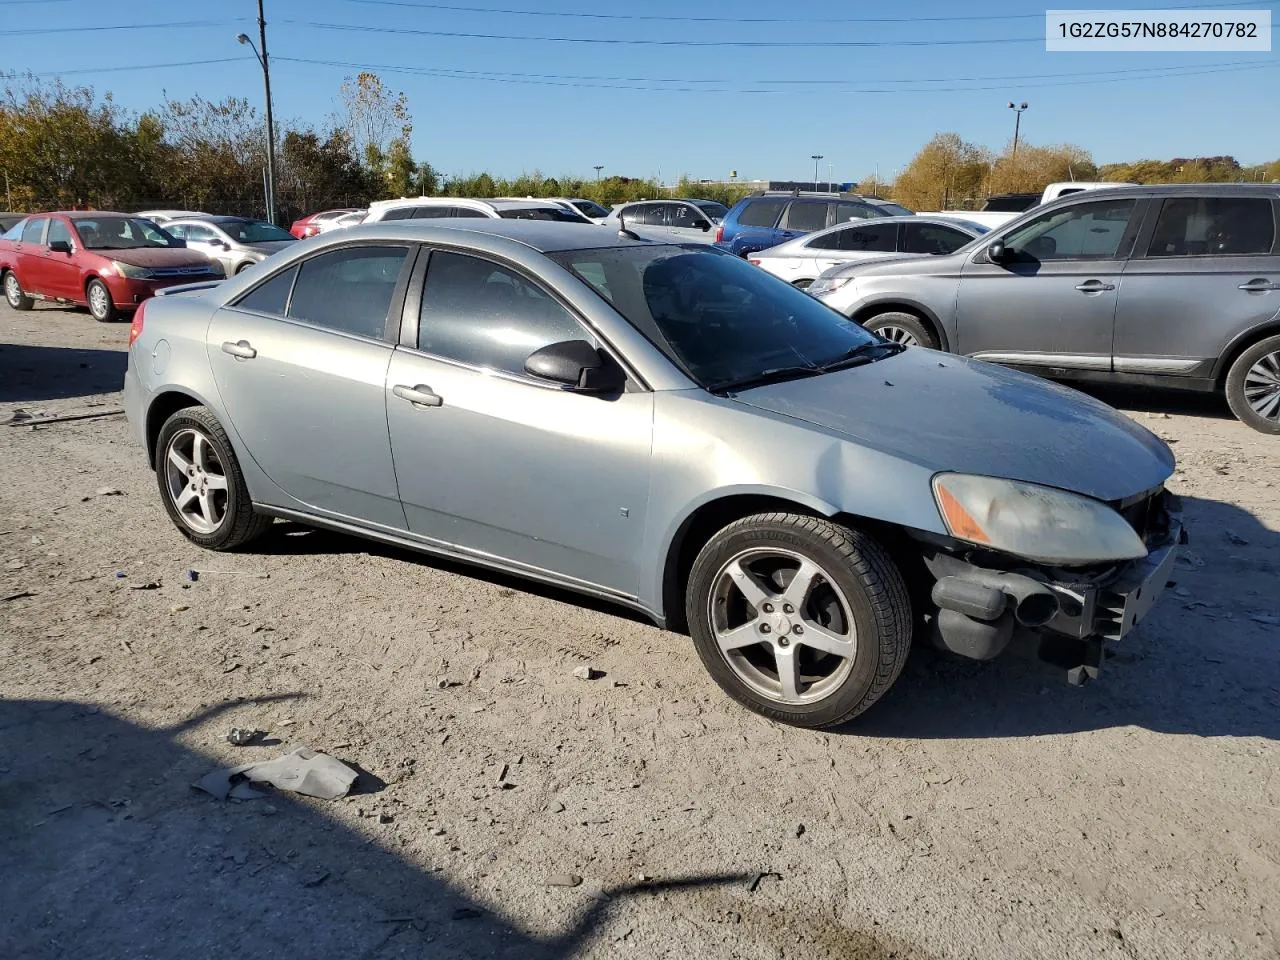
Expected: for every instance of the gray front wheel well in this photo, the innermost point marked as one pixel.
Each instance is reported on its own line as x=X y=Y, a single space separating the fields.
x=869 y=313
x=162 y=408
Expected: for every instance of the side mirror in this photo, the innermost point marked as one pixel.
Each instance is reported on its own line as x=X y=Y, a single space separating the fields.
x=60 y=246
x=996 y=253
x=703 y=225
x=578 y=365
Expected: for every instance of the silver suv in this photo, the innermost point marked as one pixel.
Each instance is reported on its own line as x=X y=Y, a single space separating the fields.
x=1163 y=286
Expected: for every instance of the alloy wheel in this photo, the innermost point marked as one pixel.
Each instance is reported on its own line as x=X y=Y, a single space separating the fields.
x=898 y=335
x=196 y=481
x=1262 y=386
x=99 y=300
x=782 y=625
x=12 y=291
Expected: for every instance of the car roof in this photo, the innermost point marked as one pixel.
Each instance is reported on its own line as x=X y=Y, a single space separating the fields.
x=546 y=236
x=496 y=203
x=1180 y=189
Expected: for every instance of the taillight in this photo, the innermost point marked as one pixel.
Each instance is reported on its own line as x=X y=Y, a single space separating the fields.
x=310 y=230
x=135 y=328
x=754 y=262
x=720 y=233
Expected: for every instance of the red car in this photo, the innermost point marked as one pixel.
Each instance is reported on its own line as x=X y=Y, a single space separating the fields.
x=108 y=262
x=310 y=226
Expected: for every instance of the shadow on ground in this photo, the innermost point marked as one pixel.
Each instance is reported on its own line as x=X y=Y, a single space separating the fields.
x=1186 y=403
x=1206 y=662
x=31 y=374
x=119 y=857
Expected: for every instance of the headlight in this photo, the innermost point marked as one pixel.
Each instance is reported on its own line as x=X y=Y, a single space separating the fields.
x=821 y=285
x=132 y=272
x=1040 y=523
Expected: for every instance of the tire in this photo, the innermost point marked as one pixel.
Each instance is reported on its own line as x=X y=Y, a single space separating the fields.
x=1253 y=386
x=854 y=603
x=243 y=267
x=211 y=506
x=101 y=306
x=903 y=328
x=802 y=283
x=13 y=294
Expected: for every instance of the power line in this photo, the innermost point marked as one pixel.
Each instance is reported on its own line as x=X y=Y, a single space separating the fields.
x=852 y=21
x=135 y=66
x=179 y=24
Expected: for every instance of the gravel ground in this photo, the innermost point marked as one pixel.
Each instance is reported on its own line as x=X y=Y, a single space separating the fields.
x=977 y=811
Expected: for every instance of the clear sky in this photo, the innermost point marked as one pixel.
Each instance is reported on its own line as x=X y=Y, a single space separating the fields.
x=513 y=105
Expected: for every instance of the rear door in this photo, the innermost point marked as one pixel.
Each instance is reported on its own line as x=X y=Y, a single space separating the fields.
x=754 y=228
x=853 y=242
x=204 y=238
x=1050 y=304
x=802 y=216
x=1206 y=271
x=29 y=254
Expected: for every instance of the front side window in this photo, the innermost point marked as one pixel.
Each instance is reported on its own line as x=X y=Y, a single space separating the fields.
x=58 y=230
x=200 y=234
x=761 y=213
x=254 y=231
x=932 y=238
x=271 y=296
x=866 y=238
x=685 y=215
x=805 y=215
x=1213 y=226
x=847 y=210
x=348 y=290
x=122 y=233
x=590 y=209
x=33 y=230
x=484 y=315
x=714 y=315
x=403 y=213
x=712 y=209
x=1085 y=231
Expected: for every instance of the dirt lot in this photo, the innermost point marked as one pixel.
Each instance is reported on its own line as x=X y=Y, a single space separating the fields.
x=982 y=811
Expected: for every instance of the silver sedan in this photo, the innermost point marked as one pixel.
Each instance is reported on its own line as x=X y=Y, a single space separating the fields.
x=235 y=242
x=663 y=426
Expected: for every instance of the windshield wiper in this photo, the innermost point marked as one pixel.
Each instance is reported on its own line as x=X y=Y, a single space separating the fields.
x=863 y=353
x=774 y=375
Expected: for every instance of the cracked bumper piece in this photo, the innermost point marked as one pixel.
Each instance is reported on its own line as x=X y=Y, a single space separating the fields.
x=1069 y=615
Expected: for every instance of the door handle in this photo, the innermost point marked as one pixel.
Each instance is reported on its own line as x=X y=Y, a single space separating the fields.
x=420 y=395
x=240 y=349
x=1258 y=286
x=1094 y=286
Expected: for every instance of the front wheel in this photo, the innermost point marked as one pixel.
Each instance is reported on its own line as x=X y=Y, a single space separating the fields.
x=101 y=305
x=798 y=618
x=13 y=293
x=1253 y=386
x=201 y=483
x=904 y=328
x=243 y=267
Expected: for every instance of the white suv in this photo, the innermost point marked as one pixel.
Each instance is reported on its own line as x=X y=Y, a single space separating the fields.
x=415 y=208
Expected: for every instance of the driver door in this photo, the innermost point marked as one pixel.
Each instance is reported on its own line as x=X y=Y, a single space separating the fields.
x=207 y=241
x=1050 y=304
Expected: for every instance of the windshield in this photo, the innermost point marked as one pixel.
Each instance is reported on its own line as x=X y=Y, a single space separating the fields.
x=253 y=231
x=121 y=233
x=590 y=209
x=716 y=211
x=893 y=209
x=719 y=318
x=558 y=214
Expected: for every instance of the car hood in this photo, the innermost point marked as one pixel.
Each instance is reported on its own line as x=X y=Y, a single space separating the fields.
x=949 y=413
x=156 y=256
x=268 y=247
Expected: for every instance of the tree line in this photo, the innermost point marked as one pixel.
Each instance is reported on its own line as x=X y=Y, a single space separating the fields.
x=67 y=147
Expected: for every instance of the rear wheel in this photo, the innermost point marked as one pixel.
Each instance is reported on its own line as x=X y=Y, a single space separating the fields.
x=243 y=267
x=801 y=284
x=101 y=305
x=13 y=292
x=1253 y=386
x=904 y=328
x=799 y=619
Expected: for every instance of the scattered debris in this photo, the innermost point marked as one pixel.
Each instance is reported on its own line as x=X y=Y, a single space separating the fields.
x=799 y=830
x=557 y=807
x=1189 y=559
x=127 y=646
x=194 y=575
x=302 y=771
x=178 y=608
x=564 y=880
x=120 y=574
x=108 y=492
x=14 y=564
x=316 y=879
x=385 y=817
x=243 y=736
x=1235 y=538
x=466 y=913
x=37 y=541
x=16 y=596
x=585 y=672
x=22 y=418
x=149 y=585
x=1266 y=618
x=760 y=877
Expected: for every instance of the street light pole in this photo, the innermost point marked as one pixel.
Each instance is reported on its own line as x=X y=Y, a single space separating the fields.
x=815 y=157
x=1017 y=125
x=264 y=62
x=598 y=167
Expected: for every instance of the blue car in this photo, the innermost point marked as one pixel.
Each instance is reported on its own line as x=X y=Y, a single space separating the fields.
x=769 y=218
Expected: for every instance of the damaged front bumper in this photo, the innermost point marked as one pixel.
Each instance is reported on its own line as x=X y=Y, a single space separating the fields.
x=1064 y=616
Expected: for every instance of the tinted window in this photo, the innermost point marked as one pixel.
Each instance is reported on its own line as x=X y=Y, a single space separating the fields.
x=465 y=213
x=1213 y=226
x=1086 y=231
x=58 y=231
x=33 y=232
x=590 y=209
x=931 y=238
x=254 y=231
x=348 y=290
x=884 y=208
x=761 y=213
x=715 y=315
x=805 y=215
x=686 y=216
x=877 y=238
x=271 y=296
x=406 y=213
x=479 y=313
x=715 y=211
x=845 y=210
x=645 y=214
x=555 y=214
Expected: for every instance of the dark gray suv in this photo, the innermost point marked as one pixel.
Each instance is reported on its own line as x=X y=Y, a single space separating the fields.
x=1167 y=286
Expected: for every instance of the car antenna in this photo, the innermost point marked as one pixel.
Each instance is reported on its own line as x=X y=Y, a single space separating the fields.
x=622 y=228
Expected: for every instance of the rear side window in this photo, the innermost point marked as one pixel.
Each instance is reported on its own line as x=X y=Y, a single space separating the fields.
x=805 y=215
x=14 y=232
x=466 y=213
x=401 y=213
x=845 y=210
x=932 y=238
x=348 y=290
x=879 y=238
x=272 y=296
x=761 y=213
x=33 y=232
x=484 y=315
x=1213 y=226
x=645 y=214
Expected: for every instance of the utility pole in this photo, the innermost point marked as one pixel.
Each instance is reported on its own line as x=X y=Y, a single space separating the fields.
x=1017 y=124
x=815 y=157
x=264 y=62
